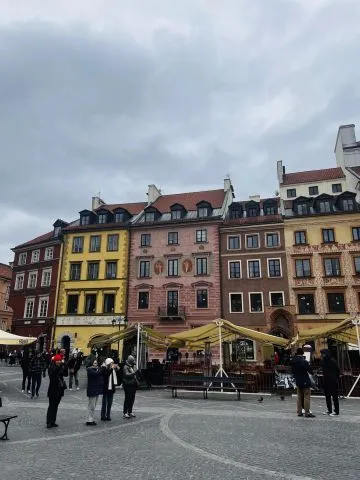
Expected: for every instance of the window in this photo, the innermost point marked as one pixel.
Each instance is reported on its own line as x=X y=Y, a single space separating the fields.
x=277 y=299
x=252 y=212
x=336 y=188
x=144 y=269
x=233 y=242
x=111 y=270
x=256 y=302
x=32 y=279
x=201 y=266
x=113 y=243
x=272 y=240
x=201 y=236
x=202 y=298
x=175 y=214
x=236 y=302
x=46 y=277
x=274 y=267
x=57 y=231
x=291 y=192
x=173 y=267
x=254 y=269
x=49 y=253
x=336 y=302
x=235 y=212
x=102 y=218
x=29 y=307
x=75 y=271
x=324 y=206
x=314 y=190
x=332 y=267
x=270 y=210
x=235 y=269
x=173 y=238
x=35 y=256
x=93 y=270
x=143 y=300
x=302 y=208
x=328 y=235
x=357 y=265
x=172 y=302
x=109 y=302
x=348 y=204
x=145 y=240
x=300 y=238
x=78 y=245
x=72 y=303
x=306 y=304
x=356 y=234
x=19 y=281
x=149 y=216
x=95 y=243
x=252 y=241
x=85 y=220
x=43 y=306
x=90 y=303
x=303 y=267
x=119 y=217
x=22 y=258
x=203 y=212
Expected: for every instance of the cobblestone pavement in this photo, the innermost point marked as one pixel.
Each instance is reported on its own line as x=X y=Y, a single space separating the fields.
x=177 y=439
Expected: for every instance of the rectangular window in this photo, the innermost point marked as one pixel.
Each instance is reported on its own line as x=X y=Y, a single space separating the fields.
x=172 y=302
x=201 y=236
x=272 y=240
x=201 y=266
x=102 y=218
x=149 y=216
x=291 y=192
x=85 y=220
x=324 y=207
x=300 y=238
x=203 y=212
x=236 y=303
x=143 y=300
x=72 y=303
x=348 y=204
x=256 y=302
x=144 y=269
x=356 y=234
x=43 y=306
x=336 y=188
x=46 y=277
x=173 y=267
x=113 y=243
x=306 y=304
x=332 y=267
x=328 y=235
x=277 y=299
x=252 y=241
x=176 y=214
x=75 y=271
x=111 y=270
x=314 y=190
x=254 y=269
x=202 y=298
x=93 y=270
x=35 y=256
x=19 y=281
x=90 y=303
x=303 y=267
x=234 y=242
x=29 y=307
x=173 y=238
x=109 y=302
x=357 y=264
x=22 y=258
x=32 y=279
x=95 y=243
x=78 y=245
x=274 y=267
x=49 y=253
x=235 y=269
x=336 y=302
x=145 y=240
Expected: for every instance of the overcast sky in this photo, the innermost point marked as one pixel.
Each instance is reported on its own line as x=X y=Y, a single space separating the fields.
x=111 y=95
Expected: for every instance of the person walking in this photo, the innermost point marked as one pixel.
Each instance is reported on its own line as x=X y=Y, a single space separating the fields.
x=74 y=365
x=95 y=387
x=25 y=367
x=110 y=381
x=331 y=372
x=57 y=386
x=301 y=369
x=130 y=383
x=37 y=367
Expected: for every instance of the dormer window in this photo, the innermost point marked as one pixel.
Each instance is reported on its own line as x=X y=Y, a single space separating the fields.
x=176 y=215
x=348 y=204
x=324 y=206
x=57 y=231
x=302 y=208
x=270 y=210
x=85 y=220
x=252 y=209
x=102 y=217
x=236 y=213
x=149 y=216
x=203 y=212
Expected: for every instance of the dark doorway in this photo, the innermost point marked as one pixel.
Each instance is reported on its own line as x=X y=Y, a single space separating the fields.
x=65 y=344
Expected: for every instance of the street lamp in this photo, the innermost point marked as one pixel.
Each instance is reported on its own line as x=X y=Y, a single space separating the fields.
x=120 y=321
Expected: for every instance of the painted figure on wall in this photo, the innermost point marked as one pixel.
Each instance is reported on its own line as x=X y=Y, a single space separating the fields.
x=187 y=265
x=158 y=267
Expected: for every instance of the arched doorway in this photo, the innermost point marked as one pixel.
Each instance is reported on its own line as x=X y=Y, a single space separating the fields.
x=282 y=323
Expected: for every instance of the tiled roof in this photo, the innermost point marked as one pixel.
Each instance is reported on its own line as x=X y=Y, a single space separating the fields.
x=313 y=176
x=132 y=208
x=190 y=200
x=5 y=271
x=263 y=219
x=41 y=239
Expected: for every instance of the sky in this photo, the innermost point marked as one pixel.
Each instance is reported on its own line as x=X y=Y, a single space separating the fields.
x=110 y=96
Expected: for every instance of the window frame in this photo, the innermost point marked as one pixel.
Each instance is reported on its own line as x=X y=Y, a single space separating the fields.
x=229 y=269
x=247 y=236
x=77 y=303
x=90 y=263
x=140 y=292
x=356 y=272
x=71 y=279
x=300 y=232
x=197 y=297
x=22 y=258
x=231 y=238
x=176 y=236
x=316 y=192
x=112 y=236
x=247 y=267
x=30 y=273
x=292 y=191
x=149 y=217
x=48 y=257
x=262 y=301
x=357 y=229
x=79 y=250
x=98 y=245
x=338 y=260
x=86 y=312
x=33 y=259
x=313 y=303
x=203 y=259
x=336 y=190
x=242 y=302
x=174 y=262
x=17 y=277
x=143 y=262
x=323 y=230
x=268 y=267
x=200 y=233
x=103 y=306
x=29 y=300
x=283 y=298
x=41 y=299
x=143 y=237
x=266 y=239
x=43 y=274
x=328 y=304
x=302 y=260
x=107 y=263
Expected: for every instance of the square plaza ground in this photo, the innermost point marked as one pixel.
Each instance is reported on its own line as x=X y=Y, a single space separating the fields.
x=177 y=439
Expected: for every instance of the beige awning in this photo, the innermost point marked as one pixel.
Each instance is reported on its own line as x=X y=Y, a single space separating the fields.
x=7 y=338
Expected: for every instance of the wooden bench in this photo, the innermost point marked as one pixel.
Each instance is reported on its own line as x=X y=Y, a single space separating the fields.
x=5 y=419
x=204 y=384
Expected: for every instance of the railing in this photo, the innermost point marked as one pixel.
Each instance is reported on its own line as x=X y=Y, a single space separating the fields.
x=171 y=312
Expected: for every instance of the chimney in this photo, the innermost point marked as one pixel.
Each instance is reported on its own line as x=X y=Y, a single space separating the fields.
x=280 y=171
x=227 y=184
x=153 y=193
x=96 y=202
x=347 y=134
x=254 y=198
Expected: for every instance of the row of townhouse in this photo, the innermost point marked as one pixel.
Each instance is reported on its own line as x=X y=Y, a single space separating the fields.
x=179 y=261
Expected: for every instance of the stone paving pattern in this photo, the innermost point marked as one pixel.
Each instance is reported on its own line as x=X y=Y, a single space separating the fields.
x=177 y=439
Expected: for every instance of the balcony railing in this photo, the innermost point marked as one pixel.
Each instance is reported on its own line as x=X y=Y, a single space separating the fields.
x=171 y=312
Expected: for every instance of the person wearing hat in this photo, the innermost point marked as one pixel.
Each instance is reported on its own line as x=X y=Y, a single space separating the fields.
x=130 y=383
x=57 y=386
x=331 y=372
x=301 y=369
x=110 y=381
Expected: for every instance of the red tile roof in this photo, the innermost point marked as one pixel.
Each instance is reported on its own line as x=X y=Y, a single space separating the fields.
x=313 y=176
x=190 y=200
x=132 y=208
x=5 y=271
x=41 y=239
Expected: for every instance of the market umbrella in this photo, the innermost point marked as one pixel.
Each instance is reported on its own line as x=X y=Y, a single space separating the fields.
x=7 y=338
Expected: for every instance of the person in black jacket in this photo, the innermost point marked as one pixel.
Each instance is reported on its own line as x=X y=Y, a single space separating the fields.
x=110 y=380
x=130 y=383
x=74 y=365
x=301 y=369
x=331 y=372
x=95 y=387
x=25 y=365
x=37 y=368
x=57 y=372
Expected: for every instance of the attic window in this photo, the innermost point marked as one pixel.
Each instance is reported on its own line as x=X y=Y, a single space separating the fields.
x=302 y=208
x=347 y=204
x=85 y=220
x=57 y=231
x=149 y=216
x=176 y=214
x=324 y=206
x=252 y=212
x=236 y=213
x=102 y=218
x=119 y=217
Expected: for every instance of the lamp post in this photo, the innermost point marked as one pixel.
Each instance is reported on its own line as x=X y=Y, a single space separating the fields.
x=119 y=321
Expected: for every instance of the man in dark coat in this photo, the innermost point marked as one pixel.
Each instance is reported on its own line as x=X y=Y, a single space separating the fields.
x=95 y=387
x=301 y=369
x=130 y=383
x=25 y=365
x=57 y=386
x=74 y=365
x=37 y=369
x=331 y=372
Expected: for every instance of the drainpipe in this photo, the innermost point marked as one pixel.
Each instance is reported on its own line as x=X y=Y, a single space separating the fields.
x=60 y=265
x=220 y=273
